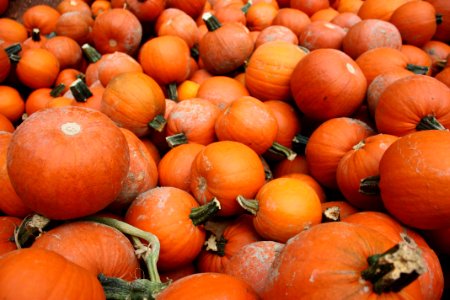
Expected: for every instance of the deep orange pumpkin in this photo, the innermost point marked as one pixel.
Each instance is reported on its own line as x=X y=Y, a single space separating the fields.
x=41 y=16
x=37 y=68
x=7 y=226
x=192 y=8
x=5 y=65
x=292 y=18
x=100 y=249
x=113 y=64
x=146 y=10
x=49 y=148
x=321 y=34
x=6 y=124
x=67 y=51
x=12 y=31
x=12 y=105
x=75 y=25
x=173 y=21
x=336 y=84
x=221 y=90
x=50 y=276
x=373 y=9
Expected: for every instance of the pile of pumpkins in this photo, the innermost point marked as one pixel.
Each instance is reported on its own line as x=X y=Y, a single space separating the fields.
x=225 y=149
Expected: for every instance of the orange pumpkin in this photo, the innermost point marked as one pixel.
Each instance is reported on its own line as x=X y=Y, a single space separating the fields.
x=5 y=65
x=8 y=225
x=66 y=50
x=291 y=18
x=37 y=68
x=276 y=33
x=221 y=90
x=12 y=31
x=113 y=64
x=42 y=145
x=75 y=25
x=6 y=124
x=311 y=6
x=321 y=34
x=12 y=105
x=173 y=21
x=373 y=9
x=41 y=16
x=146 y=10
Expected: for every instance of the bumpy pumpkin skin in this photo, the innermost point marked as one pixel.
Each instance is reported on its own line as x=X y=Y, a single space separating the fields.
x=67 y=162
x=415 y=179
x=49 y=276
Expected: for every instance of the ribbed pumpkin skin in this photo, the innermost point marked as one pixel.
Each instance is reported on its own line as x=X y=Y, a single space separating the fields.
x=327 y=84
x=67 y=162
x=49 y=276
x=98 y=248
x=415 y=179
x=206 y=286
x=331 y=257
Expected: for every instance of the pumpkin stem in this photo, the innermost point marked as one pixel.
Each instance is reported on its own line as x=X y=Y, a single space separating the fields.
x=91 y=53
x=430 y=123
x=172 y=91
x=439 y=19
x=195 y=53
x=13 y=52
x=200 y=215
x=80 y=90
x=158 y=123
x=152 y=249
x=252 y=206
x=176 y=139
x=211 y=21
x=30 y=228
x=36 y=35
x=370 y=186
x=57 y=90
x=416 y=69
x=441 y=63
x=216 y=245
x=331 y=214
x=119 y=289
x=247 y=5
x=279 y=149
x=299 y=141
x=396 y=268
x=360 y=145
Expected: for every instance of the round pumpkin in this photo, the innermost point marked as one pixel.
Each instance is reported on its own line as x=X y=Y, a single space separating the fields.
x=67 y=162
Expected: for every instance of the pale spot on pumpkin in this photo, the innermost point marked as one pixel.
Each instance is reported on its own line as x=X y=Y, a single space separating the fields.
x=71 y=128
x=329 y=25
x=350 y=68
x=112 y=43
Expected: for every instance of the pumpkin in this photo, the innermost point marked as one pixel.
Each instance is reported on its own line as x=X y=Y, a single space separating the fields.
x=431 y=281
x=269 y=69
x=438 y=51
x=5 y=65
x=12 y=31
x=334 y=257
x=321 y=34
x=224 y=170
x=142 y=174
x=209 y=285
x=346 y=20
x=329 y=143
x=442 y=14
x=37 y=68
x=233 y=12
x=329 y=75
x=76 y=25
x=174 y=21
x=260 y=15
x=7 y=226
x=80 y=171
x=166 y=59
x=225 y=47
x=100 y=249
x=192 y=8
x=248 y=121
x=373 y=9
x=146 y=10
x=413 y=182
x=309 y=7
x=291 y=18
x=325 y=14
x=74 y=5
x=41 y=16
x=66 y=50
x=252 y=263
x=345 y=209
x=84 y=96
x=11 y=204
x=117 y=30
x=113 y=64
x=221 y=90
x=416 y=22
x=170 y=214
x=310 y=181
x=6 y=124
x=12 y=105
x=276 y=33
x=412 y=103
x=174 y=169
x=282 y=208
x=418 y=56
x=50 y=275
x=36 y=40
x=369 y=34
x=67 y=77
x=132 y=101
x=225 y=239
x=99 y=6
x=192 y=120
x=358 y=163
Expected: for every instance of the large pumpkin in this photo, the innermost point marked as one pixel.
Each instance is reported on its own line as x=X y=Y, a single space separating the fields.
x=67 y=162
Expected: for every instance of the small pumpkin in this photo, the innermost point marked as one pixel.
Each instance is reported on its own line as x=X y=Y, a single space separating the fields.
x=37 y=68
x=66 y=50
x=12 y=105
x=41 y=16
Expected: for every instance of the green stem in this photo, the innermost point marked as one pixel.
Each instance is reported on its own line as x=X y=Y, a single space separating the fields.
x=430 y=123
x=247 y=5
x=139 y=289
x=331 y=214
x=370 y=186
x=57 y=90
x=91 y=53
x=416 y=69
x=30 y=228
x=252 y=206
x=13 y=52
x=396 y=268
x=439 y=19
x=80 y=90
x=200 y=215
x=211 y=21
x=281 y=150
x=195 y=53
x=151 y=252
x=158 y=123
x=176 y=139
x=172 y=91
